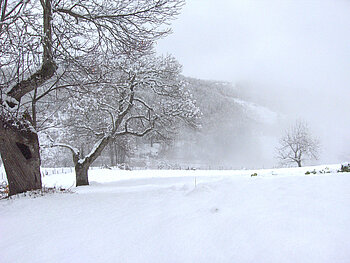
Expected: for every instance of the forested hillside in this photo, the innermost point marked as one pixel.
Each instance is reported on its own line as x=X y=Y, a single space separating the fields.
x=233 y=130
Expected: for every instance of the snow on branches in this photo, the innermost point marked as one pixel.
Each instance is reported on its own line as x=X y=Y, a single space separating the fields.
x=298 y=145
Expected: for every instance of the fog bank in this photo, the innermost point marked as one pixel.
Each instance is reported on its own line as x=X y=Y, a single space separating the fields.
x=292 y=56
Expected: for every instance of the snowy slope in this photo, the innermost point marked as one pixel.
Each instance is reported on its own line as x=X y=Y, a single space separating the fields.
x=183 y=216
x=258 y=113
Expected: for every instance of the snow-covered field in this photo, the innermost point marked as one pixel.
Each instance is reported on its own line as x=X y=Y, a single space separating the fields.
x=281 y=215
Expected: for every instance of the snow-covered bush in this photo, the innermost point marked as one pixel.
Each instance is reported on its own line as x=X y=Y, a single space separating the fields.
x=325 y=171
x=4 y=190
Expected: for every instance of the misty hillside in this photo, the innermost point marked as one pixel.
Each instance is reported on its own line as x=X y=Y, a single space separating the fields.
x=218 y=97
x=233 y=131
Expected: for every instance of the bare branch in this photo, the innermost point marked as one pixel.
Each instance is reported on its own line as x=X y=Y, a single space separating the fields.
x=297 y=145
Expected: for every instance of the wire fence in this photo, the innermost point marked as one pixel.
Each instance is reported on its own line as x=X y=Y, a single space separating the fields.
x=45 y=171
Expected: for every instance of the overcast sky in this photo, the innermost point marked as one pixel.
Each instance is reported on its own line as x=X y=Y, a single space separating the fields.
x=295 y=52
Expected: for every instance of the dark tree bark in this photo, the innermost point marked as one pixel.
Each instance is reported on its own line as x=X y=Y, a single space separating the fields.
x=121 y=155
x=115 y=152
x=112 y=154
x=299 y=163
x=82 y=165
x=19 y=147
x=81 y=173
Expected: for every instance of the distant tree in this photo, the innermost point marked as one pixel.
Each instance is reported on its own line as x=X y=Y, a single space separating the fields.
x=298 y=145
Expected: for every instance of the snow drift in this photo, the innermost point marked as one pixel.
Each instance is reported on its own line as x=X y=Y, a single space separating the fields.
x=183 y=216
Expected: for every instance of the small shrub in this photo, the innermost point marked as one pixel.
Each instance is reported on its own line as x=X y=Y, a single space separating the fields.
x=124 y=166
x=311 y=172
x=345 y=168
x=254 y=174
x=325 y=171
x=4 y=190
x=33 y=193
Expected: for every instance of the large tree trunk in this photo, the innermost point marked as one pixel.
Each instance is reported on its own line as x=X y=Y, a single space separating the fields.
x=19 y=147
x=299 y=163
x=111 y=154
x=82 y=164
x=19 y=144
x=122 y=155
x=115 y=152
x=81 y=173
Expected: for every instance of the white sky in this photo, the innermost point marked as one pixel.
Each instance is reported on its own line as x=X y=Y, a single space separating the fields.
x=294 y=52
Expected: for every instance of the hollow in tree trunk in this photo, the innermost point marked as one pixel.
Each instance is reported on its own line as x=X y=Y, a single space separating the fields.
x=19 y=148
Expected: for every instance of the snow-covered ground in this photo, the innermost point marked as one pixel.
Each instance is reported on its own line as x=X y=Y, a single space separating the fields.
x=281 y=215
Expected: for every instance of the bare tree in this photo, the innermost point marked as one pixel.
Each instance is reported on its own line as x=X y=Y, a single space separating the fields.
x=37 y=36
x=298 y=145
x=149 y=93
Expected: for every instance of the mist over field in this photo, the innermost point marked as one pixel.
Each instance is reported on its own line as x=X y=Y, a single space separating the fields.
x=292 y=57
